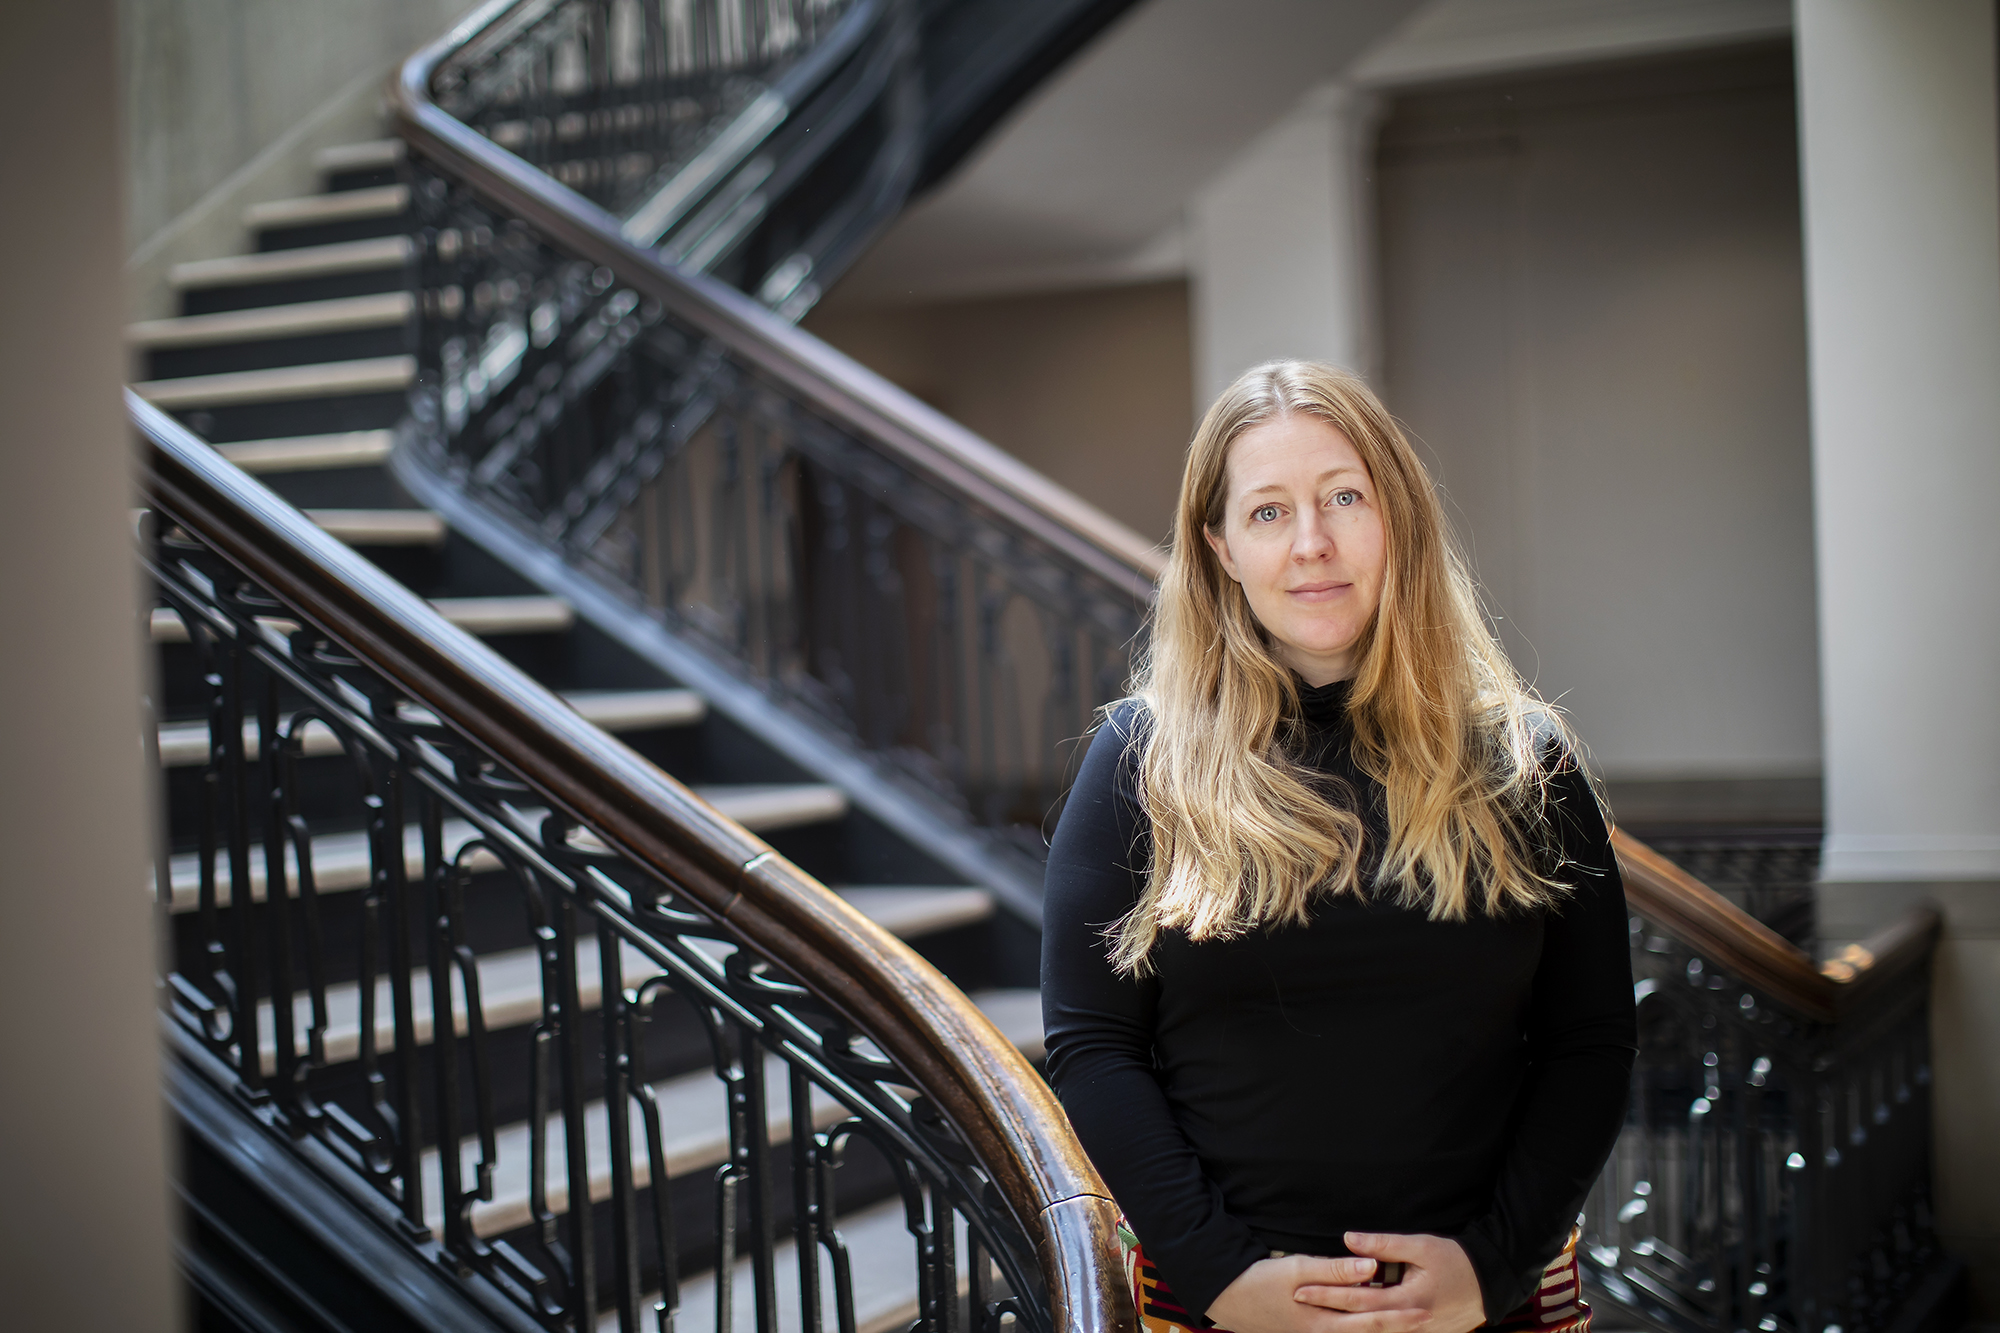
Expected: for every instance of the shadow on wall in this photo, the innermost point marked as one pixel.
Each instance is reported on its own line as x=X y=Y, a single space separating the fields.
x=1090 y=388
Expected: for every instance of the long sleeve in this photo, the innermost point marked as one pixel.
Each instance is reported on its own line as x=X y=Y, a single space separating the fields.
x=1100 y=1035
x=1581 y=1041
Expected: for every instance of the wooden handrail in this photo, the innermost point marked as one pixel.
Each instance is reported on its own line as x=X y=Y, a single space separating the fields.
x=1751 y=951
x=954 y=1055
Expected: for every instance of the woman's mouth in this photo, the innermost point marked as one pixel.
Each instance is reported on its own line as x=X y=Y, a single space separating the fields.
x=1317 y=592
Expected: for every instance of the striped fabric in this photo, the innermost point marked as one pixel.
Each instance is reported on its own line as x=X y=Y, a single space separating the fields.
x=1556 y=1306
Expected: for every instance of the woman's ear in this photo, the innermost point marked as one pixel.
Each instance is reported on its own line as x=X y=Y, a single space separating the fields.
x=1220 y=545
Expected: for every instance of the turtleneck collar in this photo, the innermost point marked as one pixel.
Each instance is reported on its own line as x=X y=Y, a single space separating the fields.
x=1325 y=705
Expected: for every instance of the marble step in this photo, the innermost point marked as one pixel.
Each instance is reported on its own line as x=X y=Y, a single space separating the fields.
x=489 y=616
x=327 y=379
x=382 y=527
x=185 y=744
x=374 y=155
x=311 y=453
x=695 y=1130
x=341 y=861
x=258 y=323
x=510 y=987
x=381 y=201
x=311 y=261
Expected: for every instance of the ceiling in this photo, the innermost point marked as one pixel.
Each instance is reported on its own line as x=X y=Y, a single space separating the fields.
x=1085 y=182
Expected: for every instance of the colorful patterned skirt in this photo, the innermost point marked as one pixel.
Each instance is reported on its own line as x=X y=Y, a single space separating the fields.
x=1556 y=1305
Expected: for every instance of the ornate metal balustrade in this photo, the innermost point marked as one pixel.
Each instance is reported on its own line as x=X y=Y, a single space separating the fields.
x=761 y=138
x=684 y=466
x=467 y=779
x=1775 y=1169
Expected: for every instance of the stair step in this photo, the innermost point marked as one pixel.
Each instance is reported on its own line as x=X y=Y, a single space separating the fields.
x=510 y=995
x=272 y=321
x=382 y=201
x=474 y=615
x=311 y=453
x=330 y=379
x=909 y=911
x=341 y=864
x=184 y=744
x=695 y=1125
x=374 y=155
x=881 y=1265
x=382 y=527
x=311 y=261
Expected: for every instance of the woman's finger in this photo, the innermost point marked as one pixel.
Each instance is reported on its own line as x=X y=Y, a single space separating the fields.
x=1391 y=1247
x=1332 y=1272
x=1374 y=1321
x=1356 y=1299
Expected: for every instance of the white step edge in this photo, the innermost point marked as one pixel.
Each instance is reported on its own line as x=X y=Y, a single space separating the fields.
x=272 y=321
x=475 y=615
x=509 y=990
x=911 y=910
x=382 y=201
x=307 y=261
x=185 y=744
x=311 y=453
x=341 y=862
x=694 y=1125
x=374 y=154
x=881 y=1264
x=507 y=615
x=329 y=379
x=382 y=527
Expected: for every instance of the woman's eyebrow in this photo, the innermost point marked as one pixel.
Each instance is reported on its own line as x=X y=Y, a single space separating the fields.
x=1327 y=475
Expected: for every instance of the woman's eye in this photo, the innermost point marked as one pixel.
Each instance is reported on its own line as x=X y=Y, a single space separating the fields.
x=1346 y=498
x=1265 y=514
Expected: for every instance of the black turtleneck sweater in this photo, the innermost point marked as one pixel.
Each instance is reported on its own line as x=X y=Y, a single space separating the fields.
x=1371 y=1071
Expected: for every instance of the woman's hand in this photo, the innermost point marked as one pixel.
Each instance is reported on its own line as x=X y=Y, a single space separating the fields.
x=1437 y=1280
x=1267 y=1297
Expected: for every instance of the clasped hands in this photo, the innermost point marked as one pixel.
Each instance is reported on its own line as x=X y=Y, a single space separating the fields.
x=1301 y=1293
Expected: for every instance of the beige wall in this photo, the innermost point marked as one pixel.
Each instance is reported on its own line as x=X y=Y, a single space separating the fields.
x=1594 y=320
x=84 y=1241
x=208 y=84
x=1090 y=388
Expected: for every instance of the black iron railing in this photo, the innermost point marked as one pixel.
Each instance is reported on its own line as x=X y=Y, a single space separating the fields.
x=371 y=1046
x=670 y=455
x=1774 y=1173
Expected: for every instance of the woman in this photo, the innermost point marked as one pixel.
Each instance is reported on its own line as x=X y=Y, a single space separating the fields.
x=1334 y=957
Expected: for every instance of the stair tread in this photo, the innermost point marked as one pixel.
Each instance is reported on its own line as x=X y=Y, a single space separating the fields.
x=881 y=1262
x=373 y=153
x=326 y=379
x=474 y=615
x=380 y=201
x=912 y=910
x=183 y=744
x=694 y=1123
x=509 y=992
x=382 y=527
x=341 y=861
x=272 y=321
x=303 y=453
x=307 y=261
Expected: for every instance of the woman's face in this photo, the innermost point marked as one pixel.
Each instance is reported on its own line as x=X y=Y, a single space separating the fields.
x=1302 y=533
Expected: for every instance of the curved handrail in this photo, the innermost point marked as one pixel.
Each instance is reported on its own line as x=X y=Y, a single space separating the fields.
x=847 y=393
x=1711 y=925
x=980 y=1082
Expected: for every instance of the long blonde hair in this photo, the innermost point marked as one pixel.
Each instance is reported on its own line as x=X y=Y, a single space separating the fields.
x=1460 y=745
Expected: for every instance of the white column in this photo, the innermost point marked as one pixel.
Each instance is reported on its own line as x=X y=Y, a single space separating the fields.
x=1902 y=225
x=83 y=1192
x=1279 y=254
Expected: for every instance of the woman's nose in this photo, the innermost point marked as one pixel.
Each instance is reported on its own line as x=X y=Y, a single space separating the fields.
x=1312 y=541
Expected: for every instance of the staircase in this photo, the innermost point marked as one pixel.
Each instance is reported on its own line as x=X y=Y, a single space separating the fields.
x=543 y=463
